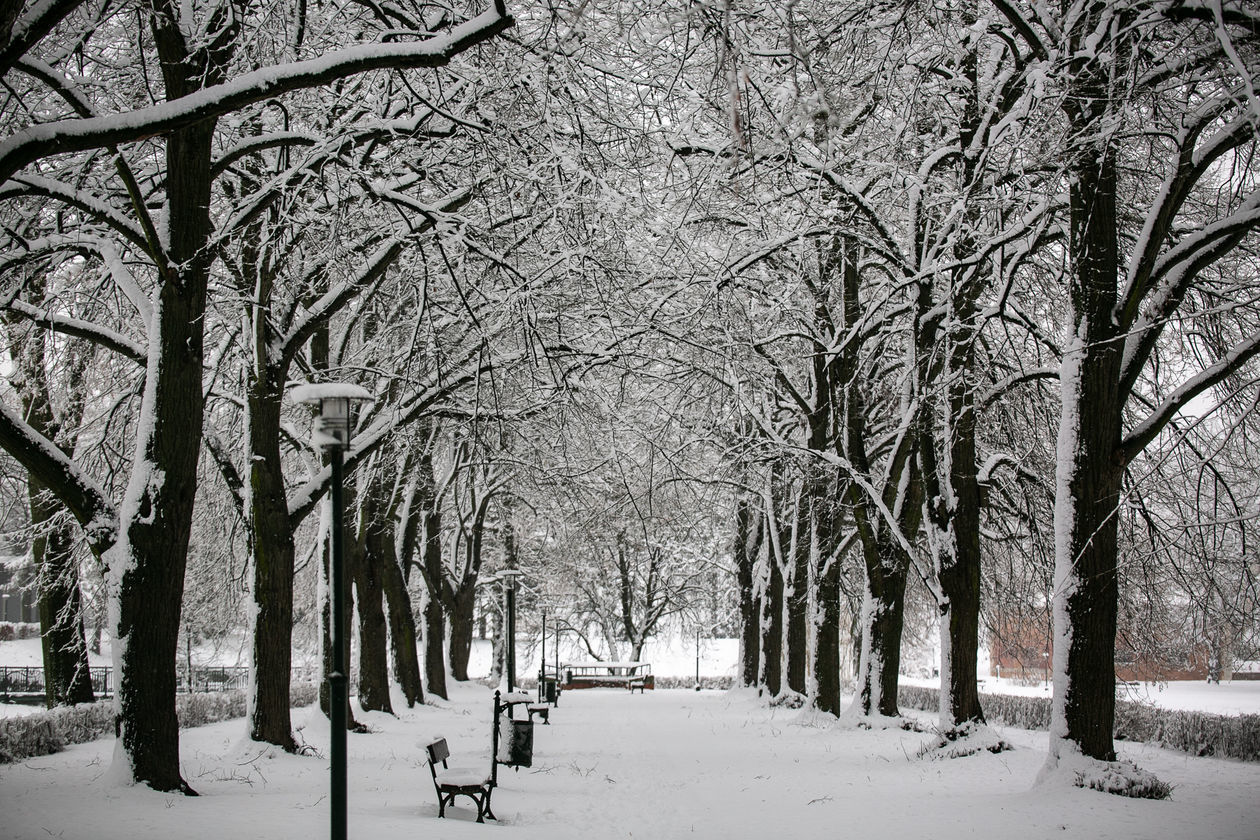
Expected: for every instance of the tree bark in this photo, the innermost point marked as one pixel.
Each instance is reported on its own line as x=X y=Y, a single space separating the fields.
x=369 y=571
x=402 y=634
x=460 y=616
x=745 y=550
x=797 y=586
x=271 y=535
x=825 y=529
x=772 y=630
x=1089 y=473
x=434 y=575
x=68 y=678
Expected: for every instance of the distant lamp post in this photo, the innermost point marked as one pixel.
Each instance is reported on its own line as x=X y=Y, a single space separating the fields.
x=332 y=433
x=697 y=659
x=509 y=576
x=542 y=661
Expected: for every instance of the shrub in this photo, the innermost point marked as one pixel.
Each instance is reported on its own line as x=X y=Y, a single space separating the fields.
x=10 y=630
x=1198 y=733
x=48 y=732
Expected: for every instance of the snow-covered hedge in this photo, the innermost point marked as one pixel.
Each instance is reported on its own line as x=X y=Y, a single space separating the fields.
x=1200 y=733
x=50 y=731
x=10 y=630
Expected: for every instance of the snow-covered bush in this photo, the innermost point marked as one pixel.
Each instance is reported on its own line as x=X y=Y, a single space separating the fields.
x=11 y=630
x=1122 y=779
x=47 y=732
x=50 y=731
x=1199 y=733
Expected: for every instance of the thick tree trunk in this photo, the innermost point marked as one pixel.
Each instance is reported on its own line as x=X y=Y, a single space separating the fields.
x=368 y=572
x=68 y=679
x=460 y=616
x=149 y=560
x=745 y=550
x=797 y=594
x=772 y=631
x=402 y=634
x=347 y=615
x=826 y=529
x=884 y=617
x=435 y=647
x=273 y=551
x=67 y=675
x=1087 y=483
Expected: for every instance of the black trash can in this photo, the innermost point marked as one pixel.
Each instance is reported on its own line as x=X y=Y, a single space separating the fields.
x=549 y=691
x=520 y=744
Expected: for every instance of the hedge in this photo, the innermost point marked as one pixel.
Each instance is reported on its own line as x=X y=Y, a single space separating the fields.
x=1198 y=733
x=48 y=732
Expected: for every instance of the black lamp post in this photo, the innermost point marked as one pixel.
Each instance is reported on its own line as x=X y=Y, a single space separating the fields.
x=542 y=661
x=509 y=576
x=332 y=433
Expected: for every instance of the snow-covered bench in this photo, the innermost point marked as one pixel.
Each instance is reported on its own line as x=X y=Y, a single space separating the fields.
x=450 y=782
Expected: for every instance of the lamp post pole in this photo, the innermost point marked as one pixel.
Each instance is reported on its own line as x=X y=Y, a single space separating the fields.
x=511 y=634
x=697 y=659
x=332 y=433
x=338 y=690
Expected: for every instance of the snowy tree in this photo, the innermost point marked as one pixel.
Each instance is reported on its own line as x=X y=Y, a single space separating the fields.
x=1131 y=80
x=79 y=137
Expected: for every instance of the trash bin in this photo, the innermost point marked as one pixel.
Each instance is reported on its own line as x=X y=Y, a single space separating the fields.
x=549 y=691
x=516 y=742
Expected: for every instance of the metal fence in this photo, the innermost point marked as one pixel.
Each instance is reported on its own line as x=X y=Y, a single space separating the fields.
x=28 y=681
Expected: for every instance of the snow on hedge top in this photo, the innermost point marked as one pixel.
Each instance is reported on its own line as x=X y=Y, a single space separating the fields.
x=317 y=391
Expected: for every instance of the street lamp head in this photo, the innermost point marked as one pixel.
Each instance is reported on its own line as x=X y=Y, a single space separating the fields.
x=509 y=576
x=332 y=426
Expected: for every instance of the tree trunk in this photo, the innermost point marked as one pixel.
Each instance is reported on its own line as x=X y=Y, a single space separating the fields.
x=68 y=679
x=325 y=615
x=884 y=613
x=746 y=547
x=825 y=530
x=1088 y=478
x=149 y=560
x=435 y=646
x=271 y=535
x=402 y=634
x=797 y=594
x=461 y=621
x=772 y=630
x=368 y=572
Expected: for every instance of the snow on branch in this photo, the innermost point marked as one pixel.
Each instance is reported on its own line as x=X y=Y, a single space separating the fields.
x=83 y=497
x=65 y=136
x=60 y=191
x=1145 y=432
x=86 y=330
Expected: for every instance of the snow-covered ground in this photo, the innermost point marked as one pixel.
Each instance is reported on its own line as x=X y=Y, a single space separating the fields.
x=665 y=764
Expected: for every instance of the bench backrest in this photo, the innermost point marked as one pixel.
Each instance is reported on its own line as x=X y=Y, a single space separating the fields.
x=438 y=751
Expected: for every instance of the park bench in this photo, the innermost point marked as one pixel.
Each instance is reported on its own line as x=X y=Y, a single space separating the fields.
x=450 y=782
x=629 y=675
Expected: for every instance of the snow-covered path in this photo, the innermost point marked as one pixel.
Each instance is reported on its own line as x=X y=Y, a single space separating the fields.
x=613 y=765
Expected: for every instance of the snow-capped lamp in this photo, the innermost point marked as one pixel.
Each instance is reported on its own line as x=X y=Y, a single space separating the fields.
x=332 y=426
x=331 y=432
